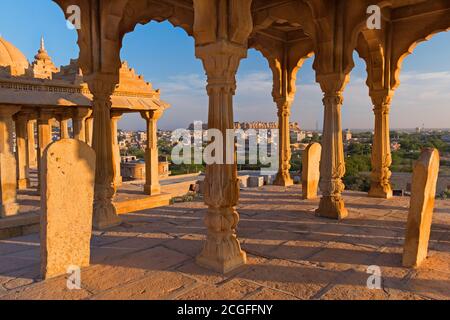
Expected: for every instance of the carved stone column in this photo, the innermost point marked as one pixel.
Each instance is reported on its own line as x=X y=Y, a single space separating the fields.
x=381 y=150
x=23 y=179
x=152 y=186
x=332 y=166
x=63 y=126
x=222 y=251
x=31 y=145
x=79 y=118
x=115 y=117
x=8 y=170
x=105 y=216
x=89 y=128
x=44 y=135
x=284 y=112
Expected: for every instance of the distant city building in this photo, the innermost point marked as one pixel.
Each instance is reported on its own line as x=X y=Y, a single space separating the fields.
x=134 y=169
x=348 y=135
x=298 y=136
x=395 y=146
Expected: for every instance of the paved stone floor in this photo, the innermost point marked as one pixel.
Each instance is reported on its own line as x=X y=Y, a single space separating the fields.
x=292 y=254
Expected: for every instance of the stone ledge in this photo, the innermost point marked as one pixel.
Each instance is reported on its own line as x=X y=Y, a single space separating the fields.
x=140 y=204
x=20 y=225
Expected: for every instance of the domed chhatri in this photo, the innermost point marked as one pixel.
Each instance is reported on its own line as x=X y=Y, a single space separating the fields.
x=12 y=60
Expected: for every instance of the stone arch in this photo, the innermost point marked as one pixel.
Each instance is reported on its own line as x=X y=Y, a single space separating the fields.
x=142 y=12
x=371 y=50
x=408 y=49
x=116 y=19
x=274 y=53
x=357 y=28
x=84 y=38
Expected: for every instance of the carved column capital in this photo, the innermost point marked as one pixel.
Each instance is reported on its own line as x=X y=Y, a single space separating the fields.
x=221 y=62
x=284 y=106
x=116 y=115
x=21 y=117
x=63 y=116
x=46 y=115
x=152 y=115
x=102 y=85
x=382 y=100
x=331 y=99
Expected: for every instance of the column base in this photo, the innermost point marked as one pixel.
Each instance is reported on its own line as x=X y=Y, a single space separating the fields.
x=283 y=180
x=118 y=182
x=308 y=196
x=105 y=218
x=380 y=191
x=332 y=208
x=223 y=256
x=9 y=209
x=152 y=190
x=23 y=184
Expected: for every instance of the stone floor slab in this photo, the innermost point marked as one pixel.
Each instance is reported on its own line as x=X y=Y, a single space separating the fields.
x=291 y=254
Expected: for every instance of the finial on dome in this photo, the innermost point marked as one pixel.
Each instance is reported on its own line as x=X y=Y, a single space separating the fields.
x=43 y=67
x=42 y=53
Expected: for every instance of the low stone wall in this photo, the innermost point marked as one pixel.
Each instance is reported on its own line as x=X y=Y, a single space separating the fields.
x=402 y=180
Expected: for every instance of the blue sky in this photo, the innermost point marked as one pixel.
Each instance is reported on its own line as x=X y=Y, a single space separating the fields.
x=165 y=56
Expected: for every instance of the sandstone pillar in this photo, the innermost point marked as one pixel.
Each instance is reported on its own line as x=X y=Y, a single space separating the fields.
x=89 y=130
x=79 y=118
x=31 y=145
x=152 y=186
x=68 y=173
x=284 y=112
x=8 y=170
x=381 y=149
x=418 y=227
x=311 y=170
x=332 y=165
x=222 y=251
x=63 y=127
x=115 y=117
x=102 y=87
x=23 y=180
x=44 y=136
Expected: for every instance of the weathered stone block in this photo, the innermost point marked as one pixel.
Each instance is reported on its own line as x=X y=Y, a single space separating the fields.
x=311 y=170
x=67 y=193
x=243 y=181
x=255 y=182
x=423 y=192
x=201 y=186
x=269 y=179
x=8 y=196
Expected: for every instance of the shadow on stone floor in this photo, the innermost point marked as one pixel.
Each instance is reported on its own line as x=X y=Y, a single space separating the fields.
x=290 y=247
x=130 y=191
x=151 y=255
